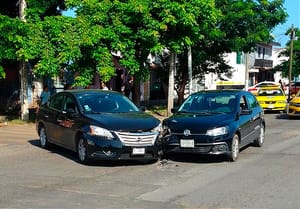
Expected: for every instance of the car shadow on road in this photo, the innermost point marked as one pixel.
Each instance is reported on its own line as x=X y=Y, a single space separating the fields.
x=285 y=116
x=195 y=158
x=104 y=163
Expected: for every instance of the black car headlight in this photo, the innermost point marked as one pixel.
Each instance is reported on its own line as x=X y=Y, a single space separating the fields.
x=102 y=132
x=217 y=131
x=158 y=129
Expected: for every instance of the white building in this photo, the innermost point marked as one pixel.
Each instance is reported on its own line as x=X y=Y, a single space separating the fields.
x=260 y=62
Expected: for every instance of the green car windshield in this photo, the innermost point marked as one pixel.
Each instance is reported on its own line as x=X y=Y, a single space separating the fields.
x=209 y=103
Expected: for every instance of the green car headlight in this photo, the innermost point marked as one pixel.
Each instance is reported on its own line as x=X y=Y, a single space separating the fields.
x=217 y=131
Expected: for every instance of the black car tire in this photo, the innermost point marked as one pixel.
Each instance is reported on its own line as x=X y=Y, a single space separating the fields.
x=43 y=137
x=82 y=150
x=235 y=148
x=261 y=138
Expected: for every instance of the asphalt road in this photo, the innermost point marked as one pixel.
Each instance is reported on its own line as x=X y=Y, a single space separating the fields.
x=267 y=177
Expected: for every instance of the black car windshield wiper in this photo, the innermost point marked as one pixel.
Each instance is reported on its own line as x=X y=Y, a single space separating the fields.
x=92 y=112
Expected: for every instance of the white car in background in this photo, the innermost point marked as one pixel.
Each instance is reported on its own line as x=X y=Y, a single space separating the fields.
x=254 y=89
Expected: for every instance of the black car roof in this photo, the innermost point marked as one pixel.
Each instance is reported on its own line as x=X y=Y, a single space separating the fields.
x=91 y=91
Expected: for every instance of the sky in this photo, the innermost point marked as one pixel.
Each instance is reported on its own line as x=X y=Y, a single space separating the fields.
x=293 y=9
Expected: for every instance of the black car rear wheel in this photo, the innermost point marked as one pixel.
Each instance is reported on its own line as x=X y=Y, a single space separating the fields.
x=235 y=148
x=43 y=137
x=82 y=150
x=261 y=138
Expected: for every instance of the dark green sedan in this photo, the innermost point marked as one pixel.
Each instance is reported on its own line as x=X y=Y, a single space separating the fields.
x=215 y=122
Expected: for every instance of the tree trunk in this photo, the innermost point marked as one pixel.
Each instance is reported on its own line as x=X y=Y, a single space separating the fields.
x=23 y=72
x=181 y=91
x=136 y=93
x=171 y=83
x=182 y=85
x=24 y=91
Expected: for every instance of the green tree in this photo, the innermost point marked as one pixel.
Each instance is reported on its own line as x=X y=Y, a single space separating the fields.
x=240 y=26
x=19 y=39
x=139 y=28
x=284 y=66
x=136 y=28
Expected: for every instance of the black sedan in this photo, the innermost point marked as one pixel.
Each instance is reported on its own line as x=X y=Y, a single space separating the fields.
x=98 y=124
x=215 y=122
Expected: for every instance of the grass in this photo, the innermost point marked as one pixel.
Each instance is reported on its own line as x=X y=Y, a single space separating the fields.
x=13 y=120
x=158 y=109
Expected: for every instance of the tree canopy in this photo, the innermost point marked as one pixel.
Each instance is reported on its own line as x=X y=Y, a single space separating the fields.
x=284 y=66
x=136 y=28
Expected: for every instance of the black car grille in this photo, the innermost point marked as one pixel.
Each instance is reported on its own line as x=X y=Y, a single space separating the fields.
x=197 y=149
x=140 y=139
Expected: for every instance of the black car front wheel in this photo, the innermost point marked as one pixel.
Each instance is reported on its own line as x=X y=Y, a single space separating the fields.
x=235 y=148
x=82 y=150
x=43 y=137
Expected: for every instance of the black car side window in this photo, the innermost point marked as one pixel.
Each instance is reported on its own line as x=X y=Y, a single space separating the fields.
x=56 y=102
x=69 y=104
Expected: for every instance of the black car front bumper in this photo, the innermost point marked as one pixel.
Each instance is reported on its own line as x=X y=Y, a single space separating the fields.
x=116 y=150
x=201 y=146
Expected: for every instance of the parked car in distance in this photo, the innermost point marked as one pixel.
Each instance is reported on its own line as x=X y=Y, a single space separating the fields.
x=215 y=122
x=98 y=124
x=254 y=89
x=293 y=108
x=272 y=98
x=295 y=87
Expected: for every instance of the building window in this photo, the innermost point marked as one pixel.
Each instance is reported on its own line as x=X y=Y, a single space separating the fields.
x=259 y=52
x=240 y=58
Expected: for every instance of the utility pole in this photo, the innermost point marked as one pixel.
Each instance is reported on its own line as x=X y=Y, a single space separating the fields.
x=291 y=60
x=23 y=71
x=171 y=83
x=190 y=70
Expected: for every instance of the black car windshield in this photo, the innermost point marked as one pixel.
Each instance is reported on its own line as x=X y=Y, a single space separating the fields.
x=209 y=103
x=106 y=102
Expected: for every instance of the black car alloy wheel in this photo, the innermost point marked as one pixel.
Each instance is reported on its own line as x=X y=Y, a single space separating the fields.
x=43 y=137
x=82 y=150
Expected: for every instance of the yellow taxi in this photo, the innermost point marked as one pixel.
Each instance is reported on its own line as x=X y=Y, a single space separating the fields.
x=272 y=98
x=294 y=105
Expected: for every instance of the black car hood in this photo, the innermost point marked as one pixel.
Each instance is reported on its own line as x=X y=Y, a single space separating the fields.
x=198 y=122
x=135 y=121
